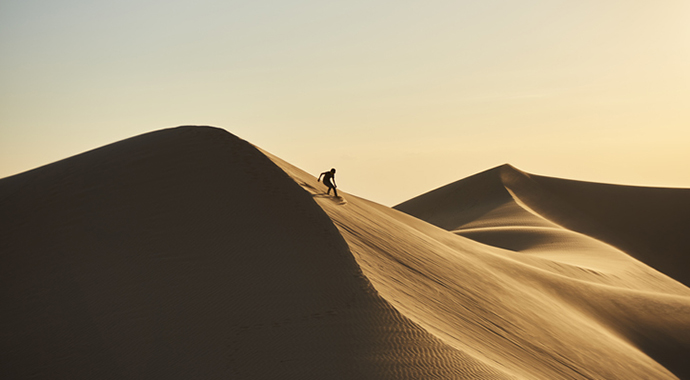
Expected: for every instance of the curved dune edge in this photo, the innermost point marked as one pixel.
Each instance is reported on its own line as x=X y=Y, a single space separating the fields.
x=648 y=224
x=506 y=208
x=188 y=253
x=573 y=308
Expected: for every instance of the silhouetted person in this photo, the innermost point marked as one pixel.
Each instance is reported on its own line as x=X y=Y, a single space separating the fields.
x=327 y=177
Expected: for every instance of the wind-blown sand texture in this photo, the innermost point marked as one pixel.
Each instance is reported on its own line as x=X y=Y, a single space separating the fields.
x=188 y=253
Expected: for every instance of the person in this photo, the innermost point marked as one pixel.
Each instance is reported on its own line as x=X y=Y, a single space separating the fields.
x=327 y=177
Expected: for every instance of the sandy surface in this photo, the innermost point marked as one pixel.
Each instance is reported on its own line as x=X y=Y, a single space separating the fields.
x=189 y=253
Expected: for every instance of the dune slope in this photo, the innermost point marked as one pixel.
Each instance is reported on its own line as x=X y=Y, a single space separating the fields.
x=649 y=224
x=572 y=224
x=571 y=307
x=184 y=254
x=189 y=253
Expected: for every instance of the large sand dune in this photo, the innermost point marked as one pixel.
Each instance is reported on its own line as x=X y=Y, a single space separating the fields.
x=189 y=253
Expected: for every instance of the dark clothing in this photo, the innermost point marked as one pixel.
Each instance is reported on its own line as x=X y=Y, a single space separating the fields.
x=328 y=179
x=327 y=176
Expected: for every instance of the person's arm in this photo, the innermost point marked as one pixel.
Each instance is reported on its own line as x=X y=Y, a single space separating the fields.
x=334 y=184
x=319 y=179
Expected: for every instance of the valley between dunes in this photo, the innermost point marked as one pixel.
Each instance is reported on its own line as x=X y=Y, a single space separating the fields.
x=188 y=253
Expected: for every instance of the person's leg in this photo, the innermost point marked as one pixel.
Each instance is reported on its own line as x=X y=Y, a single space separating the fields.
x=335 y=192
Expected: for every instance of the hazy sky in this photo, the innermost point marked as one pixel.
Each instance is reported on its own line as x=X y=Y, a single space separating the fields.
x=400 y=96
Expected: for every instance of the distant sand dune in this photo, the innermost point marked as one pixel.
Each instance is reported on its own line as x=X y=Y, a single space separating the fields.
x=188 y=253
x=571 y=222
x=649 y=224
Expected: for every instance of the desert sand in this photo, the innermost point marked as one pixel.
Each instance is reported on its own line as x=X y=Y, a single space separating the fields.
x=189 y=253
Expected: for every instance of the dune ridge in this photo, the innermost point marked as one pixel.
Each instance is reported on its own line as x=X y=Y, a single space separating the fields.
x=574 y=298
x=646 y=223
x=190 y=253
x=542 y=217
x=186 y=253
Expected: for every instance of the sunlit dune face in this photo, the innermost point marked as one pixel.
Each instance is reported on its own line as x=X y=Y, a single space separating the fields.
x=189 y=250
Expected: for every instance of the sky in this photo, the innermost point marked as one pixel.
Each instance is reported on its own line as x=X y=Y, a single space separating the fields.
x=400 y=96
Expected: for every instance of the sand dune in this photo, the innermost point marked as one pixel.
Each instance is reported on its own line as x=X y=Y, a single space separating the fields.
x=507 y=208
x=189 y=253
x=649 y=224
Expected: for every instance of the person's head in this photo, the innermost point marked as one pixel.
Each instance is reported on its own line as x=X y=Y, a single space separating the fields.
x=333 y=170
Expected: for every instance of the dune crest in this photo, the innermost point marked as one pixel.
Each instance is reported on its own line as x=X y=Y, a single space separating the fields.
x=186 y=253
x=649 y=224
x=598 y=229
x=189 y=253
x=543 y=312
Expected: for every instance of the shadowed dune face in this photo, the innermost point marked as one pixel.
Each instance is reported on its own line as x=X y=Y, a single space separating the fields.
x=188 y=253
x=649 y=224
x=184 y=254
